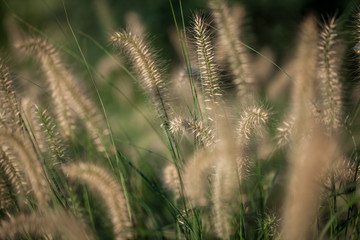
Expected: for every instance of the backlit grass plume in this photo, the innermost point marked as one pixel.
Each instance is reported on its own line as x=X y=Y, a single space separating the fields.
x=30 y=165
x=208 y=69
x=251 y=120
x=303 y=93
x=203 y=134
x=10 y=117
x=13 y=183
x=172 y=180
x=108 y=189
x=331 y=100
x=55 y=73
x=54 y=142
x=145 y=64
x=251 y=124
x=69 y=99
x=284 y=132
x=310 y=160
x=229 y=32
x=225 y=184
x=52 y=224
x=196 y=172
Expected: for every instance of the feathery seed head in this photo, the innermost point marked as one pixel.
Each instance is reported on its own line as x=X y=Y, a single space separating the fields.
x=252 y=119
x=53 y=140
x=238 y=57
x=9 y=106
x=311 y=159
x=285 y=131
x=205 y=53
x=144 y=61
x=50 y=224
x=106 y=186
x=13 y=183
x=195 y=177
x=69 y=99
x=203 y=134
x=331 y=100
x=56 y=73
x=304 y=81
x=172 y=180
x=31 y=167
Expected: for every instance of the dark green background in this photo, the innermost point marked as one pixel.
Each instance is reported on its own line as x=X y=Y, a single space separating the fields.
x=271 y=23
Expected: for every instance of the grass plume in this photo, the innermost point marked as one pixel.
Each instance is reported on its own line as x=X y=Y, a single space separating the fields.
x=105 y=185
x=52 y=224
x=69 y=99
x=144 y=61
x=203 y=134
x=30 y=166
x=10 y=117
x=329 y=77
x=208 y=69
x=229 y=31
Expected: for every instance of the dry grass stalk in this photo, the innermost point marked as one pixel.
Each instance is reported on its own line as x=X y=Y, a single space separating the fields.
x=30 y=166
x=144 y=61
x=50 y=224
x=107 y=187
x=228 y=34
x=69 y=99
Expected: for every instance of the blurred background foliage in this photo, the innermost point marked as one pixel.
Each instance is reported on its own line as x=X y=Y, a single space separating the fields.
x=271 y=23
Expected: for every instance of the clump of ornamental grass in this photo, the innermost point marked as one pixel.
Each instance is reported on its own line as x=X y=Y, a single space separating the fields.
x=221 y=190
